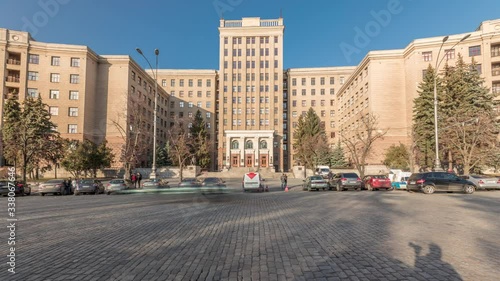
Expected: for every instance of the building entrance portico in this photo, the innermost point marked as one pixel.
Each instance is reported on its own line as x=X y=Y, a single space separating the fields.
x=249 y=149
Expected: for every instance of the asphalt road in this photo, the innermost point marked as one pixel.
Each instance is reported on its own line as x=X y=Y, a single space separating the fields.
x=295 y=235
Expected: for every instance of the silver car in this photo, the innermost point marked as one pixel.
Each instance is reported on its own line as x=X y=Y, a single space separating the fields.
x=118 y=185
x=483 y=182
x=155 y=184
x=57 y=186
x=87 y=186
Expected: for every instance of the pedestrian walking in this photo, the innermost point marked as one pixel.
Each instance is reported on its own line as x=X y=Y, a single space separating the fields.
x=284 y=179
x=139 y=178
x=67 y=185
x=133 y=178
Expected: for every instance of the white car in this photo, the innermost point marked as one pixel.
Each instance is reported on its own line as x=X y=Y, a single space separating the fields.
x=254 y=182
x=118 y=185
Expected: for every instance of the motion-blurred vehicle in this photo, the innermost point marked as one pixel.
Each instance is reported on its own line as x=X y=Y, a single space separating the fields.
x=344 y=181
x=483 y=182
x=20 y=188
x=430 y=182
x=377 y=182
x=56 y=186
x=155 y=184
x=213 y=185
x=190 y=182
x=315 y=182
x=87 y=186
x=118 y=185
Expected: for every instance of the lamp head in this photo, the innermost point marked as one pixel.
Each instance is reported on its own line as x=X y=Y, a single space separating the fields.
x=465 y=37
x=138 y=50
x=157 y=52
x=445 y=38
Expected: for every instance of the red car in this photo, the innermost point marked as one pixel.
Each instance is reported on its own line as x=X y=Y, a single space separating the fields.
x=373 y=182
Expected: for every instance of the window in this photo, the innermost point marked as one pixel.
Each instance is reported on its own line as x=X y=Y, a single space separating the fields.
x=427 y=56
x=75 y=62
x=323 y=113
x=449 y=54
x=313 y=103
x=322 y=92
x=235 y=144
x=54 y=94
x=477 y=68
x=73 y=111
x=294 y=93
x=32 y=93
x=172 y=82
x=313 y=92
x=181 y=82
x=313 y=81
x=181 y=104
x=342 y=80
x=190 y=82
x=294 y=81
x=249 y=145
x=34 y=59
x=164 y=82
x=181 y=94
x=495 y=51
x=303 y=92
x=322 y=81
x=208 y=94
x=209 y=104
x=54 y=110
x=322 y=102
x=74 y=78
x=32 y=75
x=73 y=95
x=474 y=51
x=303 y=81
x=190 y=94
x=190 y=114
x=332 y=80
x=304 y=103
x=209 y=115
x=55 y=77
x=225 y=52
x=199 y=104
x=225 y=40
x=72 y=129
x=209 y=83
x=55 y=61
x=190 y=104
x=263 y=144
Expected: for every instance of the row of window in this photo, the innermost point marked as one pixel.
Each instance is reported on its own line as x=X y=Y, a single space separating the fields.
x=199 y=104
x=313 y=103
x=248 y=144
x=54 y=60
x=253 y=111
x=53 y=94
x=251 y=40
x=190 y=94
x=190 y=82
x=262 y=122
x=250 y=64
x=313 y=92
x=190 y=115
x=322 y=113
x=250 y=52
x=54 y=77
x=72 y=111
x=251 y=89
x=450 y=53
x=313 y=81
x=251 y=76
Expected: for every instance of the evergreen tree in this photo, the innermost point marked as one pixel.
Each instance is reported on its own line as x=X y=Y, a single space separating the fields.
x=200 y=146
x=337 y=157
x=27 y=133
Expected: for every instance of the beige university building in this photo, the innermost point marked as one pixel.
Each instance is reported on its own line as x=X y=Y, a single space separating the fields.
x=251 y=105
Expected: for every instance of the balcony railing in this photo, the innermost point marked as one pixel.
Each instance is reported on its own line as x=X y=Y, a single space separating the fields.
x=12 y=79
x=269 y=23
x=14 y=61
x=233 y=23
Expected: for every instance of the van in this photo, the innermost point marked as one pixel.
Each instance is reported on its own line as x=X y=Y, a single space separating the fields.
x=254 y=182
x=322 y=171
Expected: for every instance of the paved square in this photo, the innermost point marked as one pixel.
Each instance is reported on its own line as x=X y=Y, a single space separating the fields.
x=297 y=235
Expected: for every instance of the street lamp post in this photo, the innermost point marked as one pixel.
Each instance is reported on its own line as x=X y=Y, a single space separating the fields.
x=437 y=164
x=153 y=174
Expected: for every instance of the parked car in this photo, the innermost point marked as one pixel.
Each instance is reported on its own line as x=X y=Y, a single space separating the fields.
x=86 y=186
x=213 y=185
x=56 y=186
x=20 y=188
x=155 y=184
x=190 y=182
x=315 y=182
x=483 y=181
x=118 y=185
x=430 y=182
x=401 y=184
x=343 y=181
x=323 y=171
x=376 y=182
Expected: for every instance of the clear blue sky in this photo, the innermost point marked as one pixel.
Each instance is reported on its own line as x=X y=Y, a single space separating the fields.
x=186 y=32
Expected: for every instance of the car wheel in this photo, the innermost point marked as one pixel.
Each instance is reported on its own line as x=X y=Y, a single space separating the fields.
x=42 y=194
x=108 y=193
x=469 y=189
x=428 y=189
x=323 y=189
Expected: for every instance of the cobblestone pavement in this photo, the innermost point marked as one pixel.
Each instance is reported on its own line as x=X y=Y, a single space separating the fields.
x=297 y=235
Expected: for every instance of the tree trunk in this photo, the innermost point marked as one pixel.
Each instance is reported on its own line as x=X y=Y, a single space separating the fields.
x=55 y=170
x=450 y=161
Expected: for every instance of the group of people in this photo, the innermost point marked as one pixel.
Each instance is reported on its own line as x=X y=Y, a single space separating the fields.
x=136 y=179
x=70 y=184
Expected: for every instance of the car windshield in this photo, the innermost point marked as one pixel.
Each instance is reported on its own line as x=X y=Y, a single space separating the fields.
x=325 y=170
x=189 y=180
x=350 y=175
x=211 y=180
x=316 y=178
x=86 y=181
x=379 y=177
x=117 y=181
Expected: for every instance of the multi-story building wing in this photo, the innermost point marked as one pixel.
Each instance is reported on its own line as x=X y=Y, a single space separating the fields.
x=251 y=118
x=315 y=88
x=192 y=90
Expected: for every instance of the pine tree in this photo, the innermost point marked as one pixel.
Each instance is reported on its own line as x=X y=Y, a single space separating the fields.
x=200 y=147
x=337 y=157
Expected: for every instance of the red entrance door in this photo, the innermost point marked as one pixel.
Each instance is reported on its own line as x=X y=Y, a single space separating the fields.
x=235 y=160
x=249 y=161
x=263 y=161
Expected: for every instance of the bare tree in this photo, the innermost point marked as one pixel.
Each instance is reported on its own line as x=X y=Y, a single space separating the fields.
x=473 y=137
x=359 y=142
x=181 y=144
x=133 y=131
